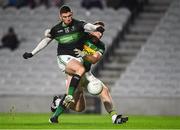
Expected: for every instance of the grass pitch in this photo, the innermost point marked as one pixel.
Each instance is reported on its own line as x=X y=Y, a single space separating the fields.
x=79 y=121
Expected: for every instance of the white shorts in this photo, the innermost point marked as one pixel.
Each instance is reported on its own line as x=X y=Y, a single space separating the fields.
x=63 y=60
x=89 y=77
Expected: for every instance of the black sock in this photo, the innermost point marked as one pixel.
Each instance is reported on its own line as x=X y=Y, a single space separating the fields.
x=73 y=84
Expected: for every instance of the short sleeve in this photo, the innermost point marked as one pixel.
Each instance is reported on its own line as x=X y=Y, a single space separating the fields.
x=52 y=33
x=81 y=24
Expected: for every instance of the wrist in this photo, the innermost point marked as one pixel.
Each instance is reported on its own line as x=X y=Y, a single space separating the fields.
x=32 y=53
x=100 y=29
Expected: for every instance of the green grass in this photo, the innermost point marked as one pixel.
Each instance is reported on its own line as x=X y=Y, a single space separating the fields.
x=79 y=121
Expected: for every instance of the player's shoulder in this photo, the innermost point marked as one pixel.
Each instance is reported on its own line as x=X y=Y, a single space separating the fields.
x=58 y=25
x=53 y=30
x=101 y=44
x=79 y=22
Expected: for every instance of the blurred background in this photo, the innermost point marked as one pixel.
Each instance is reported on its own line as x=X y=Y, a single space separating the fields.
x=141 y=64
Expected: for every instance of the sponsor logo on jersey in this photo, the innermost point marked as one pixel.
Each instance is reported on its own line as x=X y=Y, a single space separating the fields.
x=60 y=31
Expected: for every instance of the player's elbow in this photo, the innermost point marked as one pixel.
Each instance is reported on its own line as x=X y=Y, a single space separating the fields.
x=94 y=61
x=96 y=58
x=47 y=33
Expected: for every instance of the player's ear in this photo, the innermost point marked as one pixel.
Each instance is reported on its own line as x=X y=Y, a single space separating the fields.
x=72 y=13
x=60 y=17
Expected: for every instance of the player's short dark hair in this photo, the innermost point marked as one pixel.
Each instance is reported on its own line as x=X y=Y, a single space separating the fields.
x=65 y=9
x=99 y=23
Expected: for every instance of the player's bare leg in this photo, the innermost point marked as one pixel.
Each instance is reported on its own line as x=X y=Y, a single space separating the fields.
x=106 y=99
x=76 y=69
x=72 y=85
x=108 y=104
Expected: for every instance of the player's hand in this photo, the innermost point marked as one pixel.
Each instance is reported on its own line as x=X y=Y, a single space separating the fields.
x=100 y=29
x=79 y=53
x=27 y=55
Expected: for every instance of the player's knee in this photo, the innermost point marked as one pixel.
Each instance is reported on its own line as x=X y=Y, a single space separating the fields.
x=105 y=89
x=81 y=70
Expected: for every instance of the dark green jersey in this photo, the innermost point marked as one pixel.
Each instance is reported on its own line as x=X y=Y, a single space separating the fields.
x=68 y=37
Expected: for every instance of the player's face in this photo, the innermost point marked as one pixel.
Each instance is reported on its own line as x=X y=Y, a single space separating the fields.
x=66 y=17
x=97 y=34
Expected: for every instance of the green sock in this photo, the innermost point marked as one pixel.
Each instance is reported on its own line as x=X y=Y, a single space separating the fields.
x=71 y=90
x=58 y=111
x=113 y=112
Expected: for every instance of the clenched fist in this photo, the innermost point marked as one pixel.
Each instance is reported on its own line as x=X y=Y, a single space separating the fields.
x=27 y=55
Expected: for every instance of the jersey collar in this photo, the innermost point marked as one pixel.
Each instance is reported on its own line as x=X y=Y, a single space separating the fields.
x=64 y=25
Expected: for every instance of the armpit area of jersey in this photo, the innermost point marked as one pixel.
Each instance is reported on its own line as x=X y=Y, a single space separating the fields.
x=67 y=52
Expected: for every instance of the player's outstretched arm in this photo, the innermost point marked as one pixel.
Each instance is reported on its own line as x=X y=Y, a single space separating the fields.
x=92 y=27
x=42 y=44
